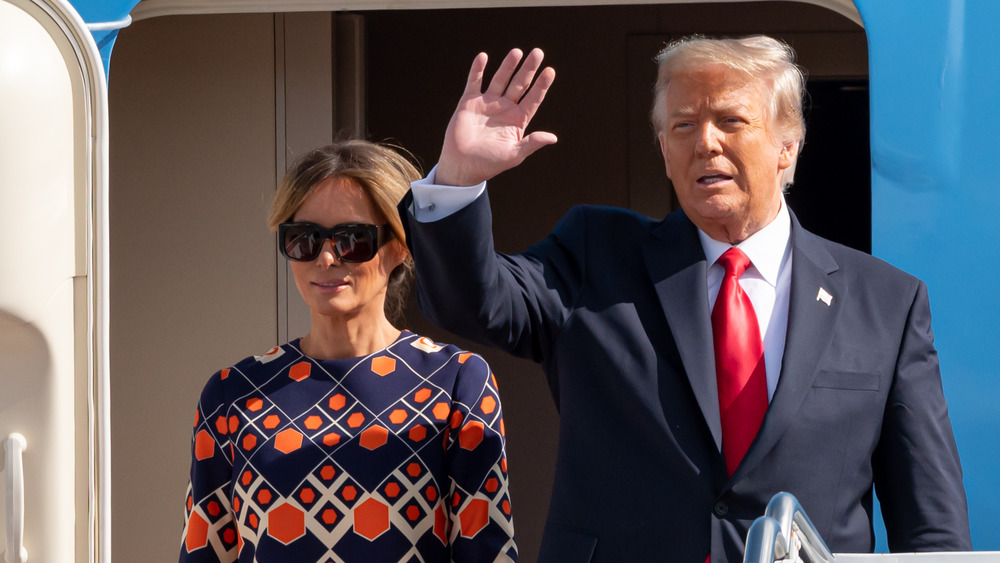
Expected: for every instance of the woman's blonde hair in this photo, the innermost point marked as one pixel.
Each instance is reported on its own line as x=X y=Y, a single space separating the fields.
x=759 y=57
x=384 y=175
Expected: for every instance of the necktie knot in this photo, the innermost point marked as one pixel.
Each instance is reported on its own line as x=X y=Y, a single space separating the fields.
x=734 y=261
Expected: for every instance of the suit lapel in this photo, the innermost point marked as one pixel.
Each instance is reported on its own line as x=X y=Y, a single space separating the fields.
x=676 y=265
x=811 y=322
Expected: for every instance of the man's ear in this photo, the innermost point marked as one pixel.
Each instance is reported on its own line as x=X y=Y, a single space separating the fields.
x=788 y=153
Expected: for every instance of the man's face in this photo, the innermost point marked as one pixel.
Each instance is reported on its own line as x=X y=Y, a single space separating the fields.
x=721 y=153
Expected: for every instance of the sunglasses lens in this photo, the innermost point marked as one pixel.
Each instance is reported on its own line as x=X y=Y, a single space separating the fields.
x=302 y=242
x=355 y=244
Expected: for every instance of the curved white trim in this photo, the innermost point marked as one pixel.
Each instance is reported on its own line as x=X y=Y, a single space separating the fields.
x=110 y=26
x=95 y=101
x=156 y=8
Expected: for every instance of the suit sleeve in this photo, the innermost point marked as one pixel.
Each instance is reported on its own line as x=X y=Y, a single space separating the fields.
x=210 y=534
x=516 y=302
x=918 y=475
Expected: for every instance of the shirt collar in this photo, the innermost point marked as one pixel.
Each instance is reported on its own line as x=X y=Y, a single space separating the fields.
x=766 y=248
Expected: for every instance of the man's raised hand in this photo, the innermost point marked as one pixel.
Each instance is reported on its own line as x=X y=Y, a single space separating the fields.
x=486 y=134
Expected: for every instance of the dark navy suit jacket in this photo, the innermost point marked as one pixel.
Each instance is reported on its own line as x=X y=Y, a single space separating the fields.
x=614 y=305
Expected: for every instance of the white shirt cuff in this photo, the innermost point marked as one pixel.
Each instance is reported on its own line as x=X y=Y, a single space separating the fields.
x=433 y=202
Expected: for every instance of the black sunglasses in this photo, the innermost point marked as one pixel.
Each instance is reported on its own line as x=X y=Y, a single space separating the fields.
x=352 y=242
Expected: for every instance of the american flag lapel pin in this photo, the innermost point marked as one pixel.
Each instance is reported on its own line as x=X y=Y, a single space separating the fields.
x=824 y=296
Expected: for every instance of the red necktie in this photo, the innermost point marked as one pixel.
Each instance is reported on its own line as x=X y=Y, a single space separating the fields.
x=739 y=362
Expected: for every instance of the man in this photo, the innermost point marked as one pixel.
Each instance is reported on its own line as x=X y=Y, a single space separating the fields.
x=695 y=381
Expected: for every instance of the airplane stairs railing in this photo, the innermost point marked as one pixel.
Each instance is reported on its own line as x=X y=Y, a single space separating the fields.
x=784 y=534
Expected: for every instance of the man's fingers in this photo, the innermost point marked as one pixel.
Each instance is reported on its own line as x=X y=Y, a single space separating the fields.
x=503 y=74
x=533 y=99
x=474 y=84
x=522 y=80
x=533 y=142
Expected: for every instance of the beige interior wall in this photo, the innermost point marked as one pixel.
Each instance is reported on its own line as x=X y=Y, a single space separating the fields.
x=193 y=279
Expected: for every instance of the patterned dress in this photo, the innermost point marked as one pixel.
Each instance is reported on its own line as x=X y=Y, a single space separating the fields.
x=396 y=456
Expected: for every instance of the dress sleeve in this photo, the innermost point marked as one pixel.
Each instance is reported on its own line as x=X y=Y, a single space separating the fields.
x=210 y=533
x=482 y=528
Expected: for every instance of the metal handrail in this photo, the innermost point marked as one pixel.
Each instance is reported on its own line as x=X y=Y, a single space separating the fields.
x=794 y=521
x=785 y=530
x=765 y=542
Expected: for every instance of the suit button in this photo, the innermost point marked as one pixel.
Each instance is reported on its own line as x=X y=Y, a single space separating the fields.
x=721 y=508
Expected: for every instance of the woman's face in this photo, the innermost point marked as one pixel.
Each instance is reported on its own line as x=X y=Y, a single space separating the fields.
x=333 y=288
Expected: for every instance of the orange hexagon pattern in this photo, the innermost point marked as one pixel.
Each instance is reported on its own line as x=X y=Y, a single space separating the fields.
x=488 y=405
x=221 y=425
x=330 y=516
x=287 y=441
x=418 y=433
x=204 y=445
x=456 y=419
x=264 y=496
x=425 y=406
x=441 y=525
x=392 y=490
x=355 y=420
x=349 y=493
x=300 y=371
x=374 y=437
x=474 y=517
x=337 y=402
x=371 y=519
x=307 y=495
x=197 y=532
x=286 y=523
x=383 y=366
x=441 y=411
x=327 y=472
x=471 y=435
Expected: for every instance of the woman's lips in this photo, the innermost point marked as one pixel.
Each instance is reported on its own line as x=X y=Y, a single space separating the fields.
x=330 y=286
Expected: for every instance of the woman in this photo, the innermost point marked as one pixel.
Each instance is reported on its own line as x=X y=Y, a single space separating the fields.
x=358 y=441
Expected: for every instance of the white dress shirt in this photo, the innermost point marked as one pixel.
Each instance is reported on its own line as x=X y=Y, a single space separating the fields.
x=767 y=280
